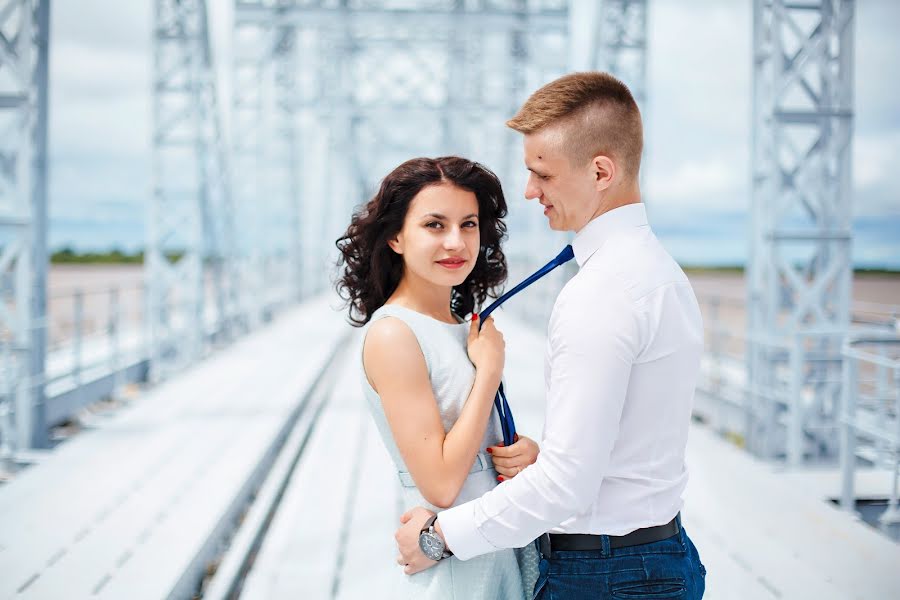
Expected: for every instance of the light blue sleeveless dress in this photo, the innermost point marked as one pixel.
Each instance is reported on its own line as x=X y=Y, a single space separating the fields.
x=505 y=574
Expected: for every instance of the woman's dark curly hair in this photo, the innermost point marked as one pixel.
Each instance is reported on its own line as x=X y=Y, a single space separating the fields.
x=372 y=271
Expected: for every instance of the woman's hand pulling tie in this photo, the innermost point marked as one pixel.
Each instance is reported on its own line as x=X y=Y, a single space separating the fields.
x=511 y=460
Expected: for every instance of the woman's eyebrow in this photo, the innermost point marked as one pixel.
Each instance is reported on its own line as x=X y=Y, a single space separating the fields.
x=442 y=217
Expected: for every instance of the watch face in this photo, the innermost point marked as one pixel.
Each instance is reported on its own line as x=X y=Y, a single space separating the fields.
x=432 y=545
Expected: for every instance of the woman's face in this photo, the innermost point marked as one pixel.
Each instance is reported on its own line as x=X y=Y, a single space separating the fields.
x=440 y=239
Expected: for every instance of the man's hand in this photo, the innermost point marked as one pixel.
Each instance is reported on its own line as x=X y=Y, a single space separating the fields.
x=511 y=460
x=407 y=538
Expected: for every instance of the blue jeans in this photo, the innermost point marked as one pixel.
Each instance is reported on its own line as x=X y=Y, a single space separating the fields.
x=670 y=568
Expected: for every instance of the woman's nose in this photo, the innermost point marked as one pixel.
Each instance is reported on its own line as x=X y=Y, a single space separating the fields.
x=453 y=239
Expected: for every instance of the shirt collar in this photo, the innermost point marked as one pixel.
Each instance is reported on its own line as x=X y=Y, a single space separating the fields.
x=598 y=230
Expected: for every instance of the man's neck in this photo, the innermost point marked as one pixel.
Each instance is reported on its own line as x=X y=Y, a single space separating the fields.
x=623 y=198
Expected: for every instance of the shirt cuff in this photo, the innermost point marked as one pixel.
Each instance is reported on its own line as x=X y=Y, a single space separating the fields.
x=461 y=532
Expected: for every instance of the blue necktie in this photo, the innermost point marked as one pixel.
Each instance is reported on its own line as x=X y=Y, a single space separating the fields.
x=507 y=425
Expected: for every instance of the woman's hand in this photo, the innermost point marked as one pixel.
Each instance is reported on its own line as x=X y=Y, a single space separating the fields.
x=487 y=349
x=511 y=460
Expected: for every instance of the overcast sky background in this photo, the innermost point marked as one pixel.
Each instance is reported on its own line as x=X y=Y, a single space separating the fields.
x=698 y=136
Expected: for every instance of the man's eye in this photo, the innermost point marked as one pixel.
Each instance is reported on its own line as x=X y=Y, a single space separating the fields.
x=543 y=177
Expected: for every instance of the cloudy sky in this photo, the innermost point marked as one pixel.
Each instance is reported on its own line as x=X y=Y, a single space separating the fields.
x=698 y=115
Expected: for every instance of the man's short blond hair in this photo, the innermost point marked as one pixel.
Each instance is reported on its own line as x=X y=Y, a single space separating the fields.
x=597 y=115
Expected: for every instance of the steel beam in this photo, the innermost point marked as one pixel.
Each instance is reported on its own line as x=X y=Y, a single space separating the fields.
x=189 y=188
x=800 y=268
x=286 y=154
x=24 y=41
x=251 y=57
x=621 y=44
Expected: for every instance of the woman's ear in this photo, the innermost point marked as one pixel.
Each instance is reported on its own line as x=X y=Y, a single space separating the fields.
x=396 y=244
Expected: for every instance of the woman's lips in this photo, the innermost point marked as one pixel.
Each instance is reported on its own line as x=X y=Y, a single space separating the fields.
x=547 y=209
x=453 y=263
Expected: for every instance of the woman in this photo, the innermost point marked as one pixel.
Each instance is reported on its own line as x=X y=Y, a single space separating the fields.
x=424 y=251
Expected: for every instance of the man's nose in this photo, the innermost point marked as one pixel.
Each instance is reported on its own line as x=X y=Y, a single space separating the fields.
x=532 y=190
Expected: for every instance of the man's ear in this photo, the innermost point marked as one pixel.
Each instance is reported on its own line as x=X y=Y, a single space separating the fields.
x=604 y=172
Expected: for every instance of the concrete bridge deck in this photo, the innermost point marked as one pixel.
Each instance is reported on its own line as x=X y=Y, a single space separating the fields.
x=258 y=474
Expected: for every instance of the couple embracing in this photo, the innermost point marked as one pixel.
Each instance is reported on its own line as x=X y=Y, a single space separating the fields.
x=593 y=511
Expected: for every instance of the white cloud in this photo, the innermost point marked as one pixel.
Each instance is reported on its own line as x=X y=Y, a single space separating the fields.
x=875 y=158
x=112 y=25
x=79 y=70
x=696 y=183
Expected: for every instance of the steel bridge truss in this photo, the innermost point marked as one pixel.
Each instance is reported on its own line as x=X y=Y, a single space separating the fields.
x=189 y=232
x=621 y=35
x=24 y=32
x=375 y=83
x=800 y=268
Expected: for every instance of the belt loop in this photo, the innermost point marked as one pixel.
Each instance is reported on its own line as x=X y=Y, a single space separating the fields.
x=605 y=550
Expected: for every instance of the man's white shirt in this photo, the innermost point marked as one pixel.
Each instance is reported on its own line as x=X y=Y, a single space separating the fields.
x=623 y=354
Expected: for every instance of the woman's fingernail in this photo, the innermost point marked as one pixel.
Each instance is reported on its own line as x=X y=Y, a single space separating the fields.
x=489 y=451
x=474 y=316
x=500 y=444
x=500 y=478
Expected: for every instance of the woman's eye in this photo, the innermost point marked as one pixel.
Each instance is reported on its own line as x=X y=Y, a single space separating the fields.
x=433 y=225
x=470 y=224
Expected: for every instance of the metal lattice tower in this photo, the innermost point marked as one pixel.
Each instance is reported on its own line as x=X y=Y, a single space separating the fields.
x=621 y=44
x=24 y=33
x=800 y=268
x=187 y=233
x=286 y=148
x=265 y=147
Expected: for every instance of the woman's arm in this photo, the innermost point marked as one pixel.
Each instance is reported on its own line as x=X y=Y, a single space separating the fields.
x=438 y=462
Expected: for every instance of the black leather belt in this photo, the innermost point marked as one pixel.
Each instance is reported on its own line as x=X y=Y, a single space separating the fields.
x=550 y=542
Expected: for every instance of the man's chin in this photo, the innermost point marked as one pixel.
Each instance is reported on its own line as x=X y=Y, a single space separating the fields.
x=555 y=226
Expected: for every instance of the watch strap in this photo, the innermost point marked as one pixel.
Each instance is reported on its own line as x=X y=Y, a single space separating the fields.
x=429 y=523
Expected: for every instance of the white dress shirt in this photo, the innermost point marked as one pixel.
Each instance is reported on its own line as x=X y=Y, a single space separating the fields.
x=623 y=354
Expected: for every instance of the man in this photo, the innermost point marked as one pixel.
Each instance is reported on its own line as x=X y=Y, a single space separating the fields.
x=624 y=345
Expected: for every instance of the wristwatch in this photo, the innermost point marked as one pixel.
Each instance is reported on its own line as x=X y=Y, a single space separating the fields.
x=431 y=543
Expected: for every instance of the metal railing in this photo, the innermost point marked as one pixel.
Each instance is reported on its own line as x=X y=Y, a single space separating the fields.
x=785 y=414
x=102 y=328
x=91 y=333
x=98 y=340
x=870 y=416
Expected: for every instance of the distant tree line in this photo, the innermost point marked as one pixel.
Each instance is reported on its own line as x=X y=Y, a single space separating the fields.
x=67 y=255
